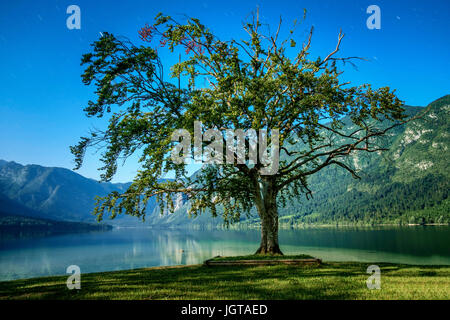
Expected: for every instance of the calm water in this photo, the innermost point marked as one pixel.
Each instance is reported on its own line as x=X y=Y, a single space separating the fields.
x=28 y=256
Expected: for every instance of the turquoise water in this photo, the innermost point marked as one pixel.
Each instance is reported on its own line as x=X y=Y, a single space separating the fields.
x=26 y=256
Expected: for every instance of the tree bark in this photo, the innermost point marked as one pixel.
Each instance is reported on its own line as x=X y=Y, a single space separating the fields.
x=268 y=213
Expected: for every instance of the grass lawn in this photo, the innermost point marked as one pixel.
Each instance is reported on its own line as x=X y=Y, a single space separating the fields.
x=332 y=280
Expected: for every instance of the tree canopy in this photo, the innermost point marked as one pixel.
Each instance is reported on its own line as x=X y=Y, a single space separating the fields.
x=256 y=83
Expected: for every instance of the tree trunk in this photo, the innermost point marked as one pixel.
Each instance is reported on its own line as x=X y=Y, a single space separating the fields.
x=268 y=213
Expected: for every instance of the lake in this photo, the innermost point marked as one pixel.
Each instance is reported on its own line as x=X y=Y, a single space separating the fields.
x=26 y=256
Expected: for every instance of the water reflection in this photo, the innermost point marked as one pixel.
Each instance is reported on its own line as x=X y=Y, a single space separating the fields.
x=29 y=256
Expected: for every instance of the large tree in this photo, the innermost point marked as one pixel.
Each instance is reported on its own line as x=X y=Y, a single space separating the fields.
x=262 y=83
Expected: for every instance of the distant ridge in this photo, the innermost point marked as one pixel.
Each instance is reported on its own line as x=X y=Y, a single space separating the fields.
x=56 y=193
x=16 y=217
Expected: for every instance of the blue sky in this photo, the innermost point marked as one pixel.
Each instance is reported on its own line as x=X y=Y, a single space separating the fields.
x=42 y=96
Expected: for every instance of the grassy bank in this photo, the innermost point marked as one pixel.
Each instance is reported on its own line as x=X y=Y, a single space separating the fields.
x=262 y=257
x=327 y=281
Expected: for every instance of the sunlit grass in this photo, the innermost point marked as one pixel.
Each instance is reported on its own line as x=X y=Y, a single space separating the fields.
x=327 y=281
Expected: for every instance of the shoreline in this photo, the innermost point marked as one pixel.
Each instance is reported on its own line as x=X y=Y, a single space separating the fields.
x=203 y=264
x=282 y=227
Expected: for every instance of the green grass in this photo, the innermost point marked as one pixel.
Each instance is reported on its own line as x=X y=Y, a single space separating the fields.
x=262 y=257
x=334 y=280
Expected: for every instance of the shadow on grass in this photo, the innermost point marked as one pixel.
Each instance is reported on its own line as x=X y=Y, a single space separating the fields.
x=327 y=281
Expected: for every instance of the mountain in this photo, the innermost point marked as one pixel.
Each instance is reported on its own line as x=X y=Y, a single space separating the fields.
x=24 y=219
x=56 y=193
x=407 y=184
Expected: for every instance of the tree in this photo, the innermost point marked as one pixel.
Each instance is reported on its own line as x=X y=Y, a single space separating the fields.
x=261 y=83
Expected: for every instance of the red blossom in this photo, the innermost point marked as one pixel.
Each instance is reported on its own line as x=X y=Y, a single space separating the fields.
x=192 y=45
x=145 y=33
